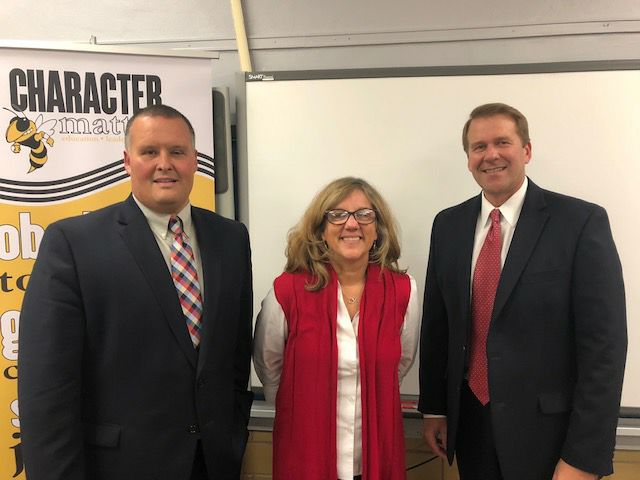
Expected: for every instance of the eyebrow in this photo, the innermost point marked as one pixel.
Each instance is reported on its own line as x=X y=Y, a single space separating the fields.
x=497 y=139
x=159 y=146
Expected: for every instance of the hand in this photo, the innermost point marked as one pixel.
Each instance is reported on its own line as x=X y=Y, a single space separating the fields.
x=564 y=471
x=435 y=434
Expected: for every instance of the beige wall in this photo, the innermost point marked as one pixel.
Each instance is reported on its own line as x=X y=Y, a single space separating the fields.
x=257 y=462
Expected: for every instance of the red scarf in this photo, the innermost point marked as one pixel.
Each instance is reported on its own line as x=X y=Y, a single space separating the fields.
x=304 y=431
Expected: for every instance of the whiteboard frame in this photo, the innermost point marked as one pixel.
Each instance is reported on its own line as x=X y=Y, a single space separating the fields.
x=383 y=73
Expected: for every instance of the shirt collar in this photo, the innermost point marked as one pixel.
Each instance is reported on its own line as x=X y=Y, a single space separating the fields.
x=510 y=209
x=159 y=222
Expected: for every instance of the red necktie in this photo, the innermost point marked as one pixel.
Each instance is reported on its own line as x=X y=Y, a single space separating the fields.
x=485 y=283
x=185 y=278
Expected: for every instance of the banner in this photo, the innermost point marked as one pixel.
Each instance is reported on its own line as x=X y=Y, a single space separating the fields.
x=64 y=114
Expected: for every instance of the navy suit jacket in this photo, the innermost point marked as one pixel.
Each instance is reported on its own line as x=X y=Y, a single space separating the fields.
x=110 y=385
x=556 y=347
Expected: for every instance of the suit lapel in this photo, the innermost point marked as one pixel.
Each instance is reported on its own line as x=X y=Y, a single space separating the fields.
x=210 y=254
x=467 y=230
x=139 y=238
x=530 y=225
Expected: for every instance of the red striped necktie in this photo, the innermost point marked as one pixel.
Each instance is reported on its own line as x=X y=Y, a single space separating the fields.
x=185 y=278
x=485 y=283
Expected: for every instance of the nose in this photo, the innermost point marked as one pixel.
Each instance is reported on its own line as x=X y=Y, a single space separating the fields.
x=164 y=161
x=491 y=152
x=351 y=221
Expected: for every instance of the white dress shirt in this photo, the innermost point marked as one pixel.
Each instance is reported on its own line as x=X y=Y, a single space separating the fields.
x=509 y=215
x=159 y=224
x=270 y=337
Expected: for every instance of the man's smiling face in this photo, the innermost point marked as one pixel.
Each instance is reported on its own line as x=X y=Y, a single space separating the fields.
x=497 y=157
x=161 y=161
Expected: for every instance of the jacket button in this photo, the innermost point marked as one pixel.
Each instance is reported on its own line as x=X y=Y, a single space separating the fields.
x=193 y=429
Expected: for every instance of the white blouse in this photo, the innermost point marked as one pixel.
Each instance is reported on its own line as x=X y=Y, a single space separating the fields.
x=269 y=340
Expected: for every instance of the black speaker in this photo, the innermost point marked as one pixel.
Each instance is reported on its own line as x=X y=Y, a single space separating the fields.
x=221 y=139
x=223 y=154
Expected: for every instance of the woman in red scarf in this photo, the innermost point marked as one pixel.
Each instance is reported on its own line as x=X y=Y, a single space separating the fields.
x=334 y=337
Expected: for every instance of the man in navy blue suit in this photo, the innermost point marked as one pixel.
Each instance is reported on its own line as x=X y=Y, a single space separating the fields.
x=112 y=384
x=545 y=403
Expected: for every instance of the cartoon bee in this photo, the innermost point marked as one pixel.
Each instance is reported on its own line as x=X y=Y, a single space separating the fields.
x=24 y=132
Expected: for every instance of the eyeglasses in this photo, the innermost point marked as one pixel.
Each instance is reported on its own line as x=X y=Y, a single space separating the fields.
x=364 y=216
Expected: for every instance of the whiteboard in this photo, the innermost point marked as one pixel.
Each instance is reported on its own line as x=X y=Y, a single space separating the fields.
x=401 y=130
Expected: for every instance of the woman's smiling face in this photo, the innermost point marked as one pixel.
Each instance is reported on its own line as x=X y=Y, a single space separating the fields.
x=349 y=243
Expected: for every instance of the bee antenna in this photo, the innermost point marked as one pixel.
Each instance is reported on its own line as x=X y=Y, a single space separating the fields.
x=17 y=110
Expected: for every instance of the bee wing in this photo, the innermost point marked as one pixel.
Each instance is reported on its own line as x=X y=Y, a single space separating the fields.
x=46 y=127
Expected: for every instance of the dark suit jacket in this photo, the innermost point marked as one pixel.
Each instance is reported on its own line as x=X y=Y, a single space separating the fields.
x=557 y=343
x=110 y=386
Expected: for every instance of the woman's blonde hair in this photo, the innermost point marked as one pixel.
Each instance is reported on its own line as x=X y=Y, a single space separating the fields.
x=307 y=251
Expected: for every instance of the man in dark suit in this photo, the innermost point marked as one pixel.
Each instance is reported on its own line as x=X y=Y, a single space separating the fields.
x=120 y=378
x=532 y=392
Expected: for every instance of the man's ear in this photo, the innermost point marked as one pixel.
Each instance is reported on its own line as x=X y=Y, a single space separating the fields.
x=127 y=162
x=527 y=149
